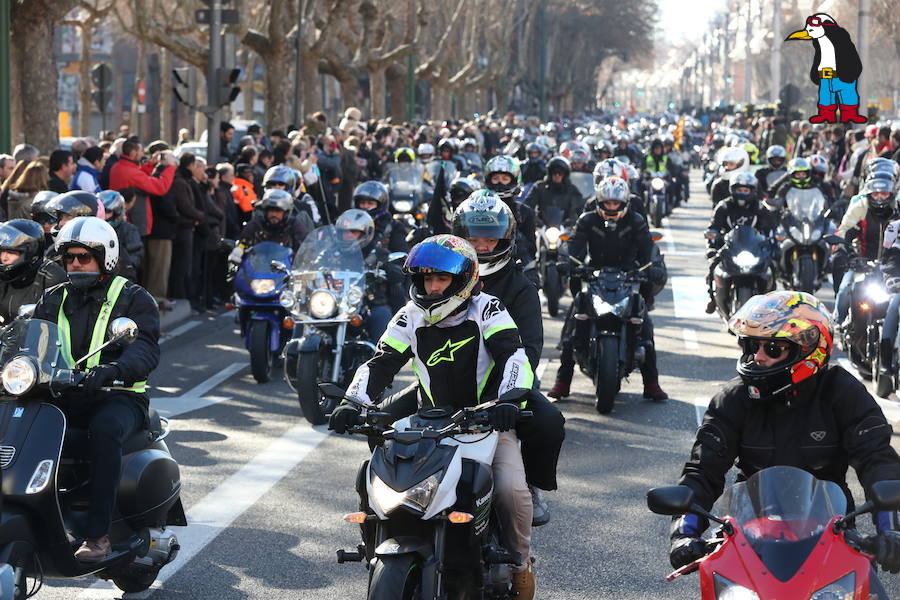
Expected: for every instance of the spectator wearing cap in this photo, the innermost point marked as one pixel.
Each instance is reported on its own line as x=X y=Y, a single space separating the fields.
x=242 y=191
x=62 y=168
x=25 y=152
x=87 y=171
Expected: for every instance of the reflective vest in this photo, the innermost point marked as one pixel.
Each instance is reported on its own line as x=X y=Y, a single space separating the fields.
x=99 y=334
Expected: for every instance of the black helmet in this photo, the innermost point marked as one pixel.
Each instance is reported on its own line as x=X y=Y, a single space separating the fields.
x=27 y=238
x=448 y=144
x=461 y=188
x=375 y=191
x=880 y=207
x=39 y=210
x=485 y=215
x=744 y=180
x=76 y=203
x=558 y=164
x=280 y=175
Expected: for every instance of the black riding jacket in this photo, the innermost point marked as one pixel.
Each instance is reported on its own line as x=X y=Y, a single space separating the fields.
x=520 y=298
x=28 y=288
x=290 y=233
x=565 y=196
x=626 y=246
x=728 y=215
x=829 y=423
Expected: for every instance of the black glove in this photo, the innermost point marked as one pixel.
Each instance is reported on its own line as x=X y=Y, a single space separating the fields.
x=887 y=550
x=343 y=417
x=686 y=550
x=563 y=268
x=503 y=416
x=100 y=376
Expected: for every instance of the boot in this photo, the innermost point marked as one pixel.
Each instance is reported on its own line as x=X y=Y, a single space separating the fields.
x=560 y=389
x=523 y=583
x=886 y=355
x=710 y=307
x=652 y=391
x=849 y=114
x=827 y=114
x=93 y=550
x=541 y=510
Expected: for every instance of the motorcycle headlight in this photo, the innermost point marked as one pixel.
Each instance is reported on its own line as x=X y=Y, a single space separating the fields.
x=354 y=295
x=746 y=260
x=842 y=589
x=815 y=234
x=286 y=299
x=876 y=293
x=552 y=235
x=418 y=496
x=602 y=307
x=19 y=375
x=796 y=233
x=261 y=287
x=728 y=590
x=322 y=304
x=403 y=205
x=657 y=184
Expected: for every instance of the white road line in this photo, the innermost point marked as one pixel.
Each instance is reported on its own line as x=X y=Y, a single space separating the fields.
x=686 y=253
x=668 y=239
x=690 y=338
x=183 y=328
x=690 y=296
x=218 y=510
x=195 y=397
x=542 y=366
x=890 y=408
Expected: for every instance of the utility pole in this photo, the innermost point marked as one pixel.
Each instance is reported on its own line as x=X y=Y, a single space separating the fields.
x=214 y=116
x=298 y=75
x=863 y=47
x=542 y=74
x=410 y=89
x=748 y=60
x=5 y=117
x=775 y=65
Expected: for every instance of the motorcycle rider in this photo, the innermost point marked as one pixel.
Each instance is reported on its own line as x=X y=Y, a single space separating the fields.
x=131 y=246
x=556 y=191
x=502 y=176
x=440 y=213
x=785 y=389
x=274 y=224
x=425 y=152
x=70 y=205
x=614 y=237
x=372 y=197
x=776 y=156
x=112 y=404
x=626 y=149
x=798 y=176
x=679 y=171
x=456 y=336
x=611 y=167
x=44 y=217
x=24 y=272
x=534 y=168
x=818 y=174
x=733 y=160
x=449 y=150
x=742 y=207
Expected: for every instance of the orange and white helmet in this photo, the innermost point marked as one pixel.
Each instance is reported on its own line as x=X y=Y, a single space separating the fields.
x=784 y=316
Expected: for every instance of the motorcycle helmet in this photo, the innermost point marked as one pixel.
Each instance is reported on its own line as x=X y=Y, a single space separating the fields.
x=442 y=254
x=558 y=164
x=534 y=151
x=447 y=145
x=404 y=155
x=743 y=189
x=277 y=199
x=27 y=238
x=657 y=143
x=39 y=210
x=503 y=164
x=880 y=196
x=579 y=156
x=461 y=188
x=882 y=165
x=734 y=159
x=114 y=205
x=819 y=166
x=355 y=220
x=608 y=168
x=95 y=235
x=375 y=191
x=798 y=168
x=775 y=156
x=484 y=215
x=602 y=150
x=76 y=203
x=470 y=145
x=425 y=152
x=797 y=318
x=280 y=175
x=612 y=188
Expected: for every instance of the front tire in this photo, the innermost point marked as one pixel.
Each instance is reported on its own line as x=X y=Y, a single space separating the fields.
x=552 y=290
x=396 y=578
x=260 y=355
x=314 y=405
x=806 y=274
x=607 y=377
x=657 y=214
x=741 y=295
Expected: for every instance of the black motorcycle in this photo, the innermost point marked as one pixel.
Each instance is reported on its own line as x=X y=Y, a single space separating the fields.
x=744 y=268
x=869 y=300
x=429 y=523
x=656 y=196
x=552 y=237
x=804 y=252
x=611 y=303
x=46 y=474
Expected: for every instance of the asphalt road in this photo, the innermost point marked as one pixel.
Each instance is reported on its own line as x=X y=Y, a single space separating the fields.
x=265 y=492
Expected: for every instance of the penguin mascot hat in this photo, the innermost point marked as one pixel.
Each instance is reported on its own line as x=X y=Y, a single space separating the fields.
x=835 y=69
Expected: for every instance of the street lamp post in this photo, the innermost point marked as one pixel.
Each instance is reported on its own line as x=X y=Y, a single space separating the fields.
x=5 y=117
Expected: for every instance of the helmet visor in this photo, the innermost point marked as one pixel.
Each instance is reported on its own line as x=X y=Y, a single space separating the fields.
x=483 y=224
x=431 y=258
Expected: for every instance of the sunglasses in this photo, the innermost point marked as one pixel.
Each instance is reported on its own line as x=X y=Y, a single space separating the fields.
x=772 y=349
x=83 y=259
x=817 y=22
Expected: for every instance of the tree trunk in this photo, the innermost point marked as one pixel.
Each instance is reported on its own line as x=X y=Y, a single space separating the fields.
x=396 y=81
x=140 y=73
x=349 y=91
x=440 y=100
x=84 y=85
x=312 y=86
x=166 y=125
x=377 y=92
x=31 y=46
x=278 y=91
x=247 y=88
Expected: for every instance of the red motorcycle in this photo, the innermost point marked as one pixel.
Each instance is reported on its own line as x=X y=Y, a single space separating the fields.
x=784 y=538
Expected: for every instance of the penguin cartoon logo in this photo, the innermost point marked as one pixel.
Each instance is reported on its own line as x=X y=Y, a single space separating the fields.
x=835 y=69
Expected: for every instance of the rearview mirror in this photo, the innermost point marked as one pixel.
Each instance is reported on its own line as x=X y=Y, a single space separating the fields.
x=26 y=311
x=672 y=500
x=886 y=495
x=279 y=266
x=123 y=329
x=397 y=256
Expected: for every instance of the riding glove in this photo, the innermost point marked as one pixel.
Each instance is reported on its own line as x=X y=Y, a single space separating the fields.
x=887 y=550
x=686 y=550
x=100 y=376
x=343 y=417
x=503 y=416
x=235 y=256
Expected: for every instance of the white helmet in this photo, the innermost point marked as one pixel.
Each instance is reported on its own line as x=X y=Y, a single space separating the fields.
x=425 y=149
x=96 y=235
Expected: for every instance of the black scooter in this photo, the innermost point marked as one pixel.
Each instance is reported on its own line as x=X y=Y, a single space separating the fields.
x=46 y=474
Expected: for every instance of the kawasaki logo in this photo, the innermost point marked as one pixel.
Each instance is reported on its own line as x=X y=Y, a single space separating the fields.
x=446 y=351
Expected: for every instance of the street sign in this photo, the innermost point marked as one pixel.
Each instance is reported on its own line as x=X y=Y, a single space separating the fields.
x=141 y=92
x=230 y=16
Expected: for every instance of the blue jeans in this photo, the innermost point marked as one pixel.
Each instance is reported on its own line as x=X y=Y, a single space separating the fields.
x=842 y=300
x=834 y=91
x=891 y=320
x=379 y=317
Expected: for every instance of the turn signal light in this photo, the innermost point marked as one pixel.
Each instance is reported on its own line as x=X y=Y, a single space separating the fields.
x=287 y=323
x=356 y=320
x=357 y=517
x=864 y=306
x=564 y=237
x=458 y=518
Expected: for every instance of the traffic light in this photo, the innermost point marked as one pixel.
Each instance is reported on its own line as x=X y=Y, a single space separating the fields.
x=181 y=85
x=729 y=79
x=102 y=78
x=225 y=90
x=617 y=104
x=671 y=105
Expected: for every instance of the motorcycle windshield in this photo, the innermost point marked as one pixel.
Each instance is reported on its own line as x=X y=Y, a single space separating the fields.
x=324 y=251
x=745 y=237
x=783 y=511
x=405 y=180
x=261 y=255
x=585 y=184
x=805 y=205
x=36 y=339
x=450 y=170
x=552 y=216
